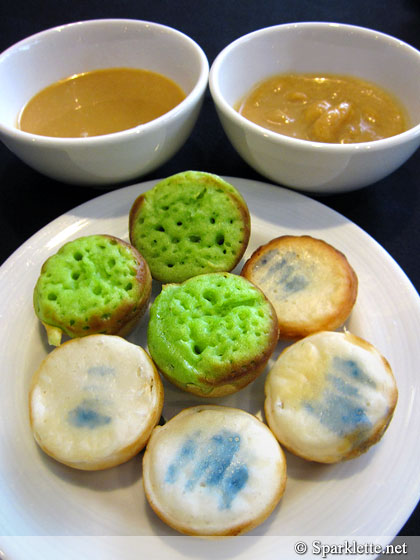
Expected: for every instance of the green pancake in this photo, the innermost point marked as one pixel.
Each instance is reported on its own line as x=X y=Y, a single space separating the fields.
x=188 y=224
x=94 y=284
x=213 y=334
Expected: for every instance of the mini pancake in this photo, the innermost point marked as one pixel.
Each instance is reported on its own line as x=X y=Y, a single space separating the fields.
x=212 y=334
x=190 y=223
x=213 y=471
x=330 y=397
x=94 y=284
x=310 y=283
x=94 y=401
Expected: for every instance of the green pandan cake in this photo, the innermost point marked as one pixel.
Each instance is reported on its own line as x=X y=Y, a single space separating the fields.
x=188 y=224
x=94 y=284
x=213 y=334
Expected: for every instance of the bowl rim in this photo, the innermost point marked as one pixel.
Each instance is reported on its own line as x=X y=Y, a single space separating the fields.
x=123 y=135
x=223 y=106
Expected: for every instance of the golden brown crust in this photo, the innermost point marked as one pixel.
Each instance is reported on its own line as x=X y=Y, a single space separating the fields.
x=222 y=390
x=328 y=317
x=132 y=216
x=246 y=219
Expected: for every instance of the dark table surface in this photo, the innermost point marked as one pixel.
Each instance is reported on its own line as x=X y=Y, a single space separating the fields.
x=389 y=210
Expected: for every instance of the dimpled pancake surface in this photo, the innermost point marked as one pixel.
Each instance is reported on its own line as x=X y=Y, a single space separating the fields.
x=213 y=470
x=310 y=283
x=94 y=401
x=188 y=224
x=96 y=283
x=212 y=334
x=330 y=396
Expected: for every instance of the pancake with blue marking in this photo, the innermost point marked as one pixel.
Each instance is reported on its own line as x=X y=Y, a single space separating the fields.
x=311 y=284
x=330 y=397
x=94 y=401
x=213 y=471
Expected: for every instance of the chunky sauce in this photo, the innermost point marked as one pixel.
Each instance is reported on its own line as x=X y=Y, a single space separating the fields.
x=100 y=102
x=324 y=108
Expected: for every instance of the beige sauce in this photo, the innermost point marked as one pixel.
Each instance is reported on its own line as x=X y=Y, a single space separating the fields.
x=324 y=108
x=100 y=102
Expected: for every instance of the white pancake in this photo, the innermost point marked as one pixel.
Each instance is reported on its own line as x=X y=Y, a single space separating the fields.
x=94 y=401
x=330 y=396
x=310 y=283
x=213 y=471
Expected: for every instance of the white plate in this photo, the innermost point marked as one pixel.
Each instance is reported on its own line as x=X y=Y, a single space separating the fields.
x=372 y=495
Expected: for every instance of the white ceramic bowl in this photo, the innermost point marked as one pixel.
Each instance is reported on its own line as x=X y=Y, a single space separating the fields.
x=46 y=57
x=317 y=47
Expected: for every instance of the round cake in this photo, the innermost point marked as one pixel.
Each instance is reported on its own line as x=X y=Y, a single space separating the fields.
x=188 y=224
x=94 y=284
x=310 y=283
x=94 y=402
x=212 y=334
x=330 y=396
x=213 y=471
